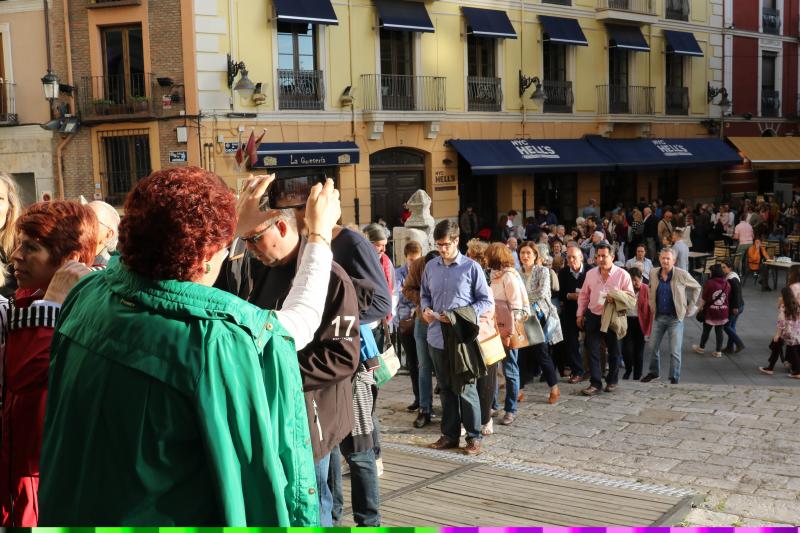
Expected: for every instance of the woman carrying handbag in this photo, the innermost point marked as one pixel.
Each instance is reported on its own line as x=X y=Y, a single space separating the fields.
x=536 y=278
x=511 y=308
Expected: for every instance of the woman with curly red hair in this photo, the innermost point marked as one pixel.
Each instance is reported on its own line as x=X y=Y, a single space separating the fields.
x=172 y=402
x=49 y=236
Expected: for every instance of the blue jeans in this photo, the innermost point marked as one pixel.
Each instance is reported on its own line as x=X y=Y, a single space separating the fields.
x=730 y=330
x=511 y=372
x=324 y=492
x=673 y=329
x=456 y=409
x=425 y=367
x=364 y=488
x=593 y=336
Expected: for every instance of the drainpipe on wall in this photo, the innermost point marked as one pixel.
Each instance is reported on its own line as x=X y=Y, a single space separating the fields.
x=68 y=52
x=65 y=140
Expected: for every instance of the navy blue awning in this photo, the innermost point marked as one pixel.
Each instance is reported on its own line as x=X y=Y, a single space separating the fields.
x=666 y=153
x=626 y=38
x=488 y=23
x=520 y=156
x=313 y=154
x=564 y=31
x=682 y=43
x=309 y=11
x=404 y=16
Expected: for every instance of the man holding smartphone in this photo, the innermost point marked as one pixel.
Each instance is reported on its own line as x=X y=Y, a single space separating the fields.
x=449 y=282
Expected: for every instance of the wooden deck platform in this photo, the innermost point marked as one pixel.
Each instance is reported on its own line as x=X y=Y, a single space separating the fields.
x=423 y=487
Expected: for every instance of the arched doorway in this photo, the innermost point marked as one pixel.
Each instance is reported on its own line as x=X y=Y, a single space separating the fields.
x=395 y=174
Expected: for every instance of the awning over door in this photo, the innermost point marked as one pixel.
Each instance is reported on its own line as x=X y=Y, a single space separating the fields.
x=488 y=23
x=682 y=43
x=309 y=11
x=775 y=153
x=308 y=154
x=626 y=38
x=519 y=156
x=630 y=154
x=563 y=31
x=404 y=16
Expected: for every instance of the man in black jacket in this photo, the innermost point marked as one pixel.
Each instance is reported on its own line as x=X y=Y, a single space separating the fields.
x=650 y=233
x=328 y=363
x=570 y=281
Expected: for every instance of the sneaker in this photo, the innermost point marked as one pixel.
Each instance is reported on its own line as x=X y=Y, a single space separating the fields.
x=716 y=354
x=698 y=349
x=473 y=447
x=488 y=429
x=508 y=419
x=767 y=371
x=649 y=377
x=379 y=466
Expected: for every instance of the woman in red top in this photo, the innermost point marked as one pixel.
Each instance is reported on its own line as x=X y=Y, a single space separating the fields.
x=50 y=237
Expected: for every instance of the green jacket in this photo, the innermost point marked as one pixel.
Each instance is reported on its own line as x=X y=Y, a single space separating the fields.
x=171 y=403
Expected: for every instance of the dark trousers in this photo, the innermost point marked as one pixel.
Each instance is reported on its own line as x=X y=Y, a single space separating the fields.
x=541 y=358
x=593 y=337
x=571 y=344
x=559 y=354
x=487 y=390
x=412 y=362
x=792 y=355
x=717 y=336
x=730 y=330
x=633 y=348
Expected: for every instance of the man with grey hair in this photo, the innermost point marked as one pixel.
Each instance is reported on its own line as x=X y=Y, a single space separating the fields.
x=570 y=281
x=108 y=231
x=597 y=237
x=669 y=304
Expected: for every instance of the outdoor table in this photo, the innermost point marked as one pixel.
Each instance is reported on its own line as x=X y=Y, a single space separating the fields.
x=774 y=266
x=694 y=257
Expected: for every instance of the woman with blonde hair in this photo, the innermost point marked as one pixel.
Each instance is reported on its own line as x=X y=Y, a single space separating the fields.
x=10 y=209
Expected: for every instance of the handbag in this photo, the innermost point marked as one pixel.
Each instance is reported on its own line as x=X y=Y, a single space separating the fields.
x=389 y=362
x=513 y=330
x=701 y=315
x=534 y=331
x=406 y=325
x=492 y=349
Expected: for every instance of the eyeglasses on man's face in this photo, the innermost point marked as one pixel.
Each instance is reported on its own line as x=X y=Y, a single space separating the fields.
x=253 y=239
x=444 y=245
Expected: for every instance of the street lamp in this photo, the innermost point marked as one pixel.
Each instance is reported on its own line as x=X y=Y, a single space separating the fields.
x=724 y=104
x=244 y=86
x=538 y=95
x=50 y=86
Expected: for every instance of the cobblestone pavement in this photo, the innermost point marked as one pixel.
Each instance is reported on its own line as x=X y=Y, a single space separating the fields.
x=727 y=432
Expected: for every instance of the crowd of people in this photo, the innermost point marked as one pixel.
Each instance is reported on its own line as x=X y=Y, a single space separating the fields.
x=180 y=366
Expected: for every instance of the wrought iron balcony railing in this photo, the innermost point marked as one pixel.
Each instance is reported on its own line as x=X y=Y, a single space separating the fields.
x=559 y=96
x=678 y=10
x=484 y=94
x=124 y=94
x=8 y=109
x=676 y=100
x=770 y=103
x=397 y=92
x=642 y=7
x=301 y=89
x=771 y=21
x=625 y=100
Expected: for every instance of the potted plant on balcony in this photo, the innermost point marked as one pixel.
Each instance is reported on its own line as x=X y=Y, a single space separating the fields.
x=140 y=103
x=102 y=106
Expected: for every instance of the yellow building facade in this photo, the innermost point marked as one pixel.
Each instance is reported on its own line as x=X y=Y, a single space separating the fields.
x=401 y=87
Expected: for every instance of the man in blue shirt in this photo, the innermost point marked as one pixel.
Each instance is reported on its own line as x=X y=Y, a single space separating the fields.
x=449 y=282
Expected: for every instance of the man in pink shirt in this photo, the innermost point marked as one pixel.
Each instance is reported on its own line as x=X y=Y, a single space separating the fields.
x=744 y=234
x=591 y=300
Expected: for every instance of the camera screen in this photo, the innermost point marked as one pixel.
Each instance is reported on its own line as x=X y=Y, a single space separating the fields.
x=292 y=191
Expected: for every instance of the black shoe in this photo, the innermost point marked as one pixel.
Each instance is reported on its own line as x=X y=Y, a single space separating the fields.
x=673 y=381
x=649 y=377
x=727 y=350
x=627 y=374
x=422 y=420
x=739 y=348
x=413 y=407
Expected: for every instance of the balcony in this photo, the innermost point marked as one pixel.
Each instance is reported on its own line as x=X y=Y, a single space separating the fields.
x=625 y=100
x=301 y=89
x=397 y=92
x=676 y=100
x=484 y=94
x=638 y=11
x=559 y=97
x=770 y=103
x=771 y=21
x=94 y=4
x=8 y=110
x=130 y=96
x=677 y=10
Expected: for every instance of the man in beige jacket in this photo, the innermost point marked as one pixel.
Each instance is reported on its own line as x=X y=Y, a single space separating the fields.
x=673 y=295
